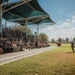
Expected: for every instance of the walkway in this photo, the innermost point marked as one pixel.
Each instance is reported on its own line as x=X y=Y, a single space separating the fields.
x=9 y=57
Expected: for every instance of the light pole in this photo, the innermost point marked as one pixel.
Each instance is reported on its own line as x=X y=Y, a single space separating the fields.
x=1 y=19
x=5 y=23
x=26 y=29
x=37 y=30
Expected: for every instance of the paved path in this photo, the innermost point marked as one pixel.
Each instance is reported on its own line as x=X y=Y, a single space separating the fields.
x=9 y=57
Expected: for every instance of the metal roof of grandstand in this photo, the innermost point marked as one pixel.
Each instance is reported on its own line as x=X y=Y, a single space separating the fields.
x=46 y=20
x=5 y=1
x=27 y=10
x=2 y=1
x=40 y=22
x=37 y=20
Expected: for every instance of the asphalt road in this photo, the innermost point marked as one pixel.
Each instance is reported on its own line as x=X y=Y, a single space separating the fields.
x=10 y=57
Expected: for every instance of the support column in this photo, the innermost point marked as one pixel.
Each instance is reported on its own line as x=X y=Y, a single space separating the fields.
x=26 y=29
x=37 y=39
x=38 y=30
x=1 y=19
x=15 y=31
x=5 y=23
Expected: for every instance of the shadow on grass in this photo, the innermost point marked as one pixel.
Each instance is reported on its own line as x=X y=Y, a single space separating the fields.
x=70 y=52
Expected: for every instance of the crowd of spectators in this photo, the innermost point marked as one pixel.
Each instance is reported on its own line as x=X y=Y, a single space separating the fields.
x=10 y=44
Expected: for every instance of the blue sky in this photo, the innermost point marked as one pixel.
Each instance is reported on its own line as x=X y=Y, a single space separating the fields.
x=63 y=13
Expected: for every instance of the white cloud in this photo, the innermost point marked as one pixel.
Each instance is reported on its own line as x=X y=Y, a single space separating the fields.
x=73 y=21
x=62 y=29
x=68 y=20
x=73 y=16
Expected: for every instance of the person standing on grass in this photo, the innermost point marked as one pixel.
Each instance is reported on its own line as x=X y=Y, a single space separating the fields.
x=72 y=46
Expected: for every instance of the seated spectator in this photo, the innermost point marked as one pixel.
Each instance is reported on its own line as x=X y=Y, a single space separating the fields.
x=14 y=46
x=47 y=44
x=7 y=47
x=32 y=45
x=1 y=48
x=21 y=45
x=36 y=44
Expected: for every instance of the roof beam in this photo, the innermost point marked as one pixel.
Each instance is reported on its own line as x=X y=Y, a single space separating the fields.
x=18 y=4
x=19 y=19
x=31 y=6
x=39 y=18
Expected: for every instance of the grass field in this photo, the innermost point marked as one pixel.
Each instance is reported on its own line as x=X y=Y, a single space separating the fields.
x=60 y=61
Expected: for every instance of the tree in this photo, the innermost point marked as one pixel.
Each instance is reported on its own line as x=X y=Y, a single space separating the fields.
x=23 y=29
x=20 y=31
x=67 y=39
x=60 y=40
x=43 y=37
x=52 y=40
x=74 y=39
